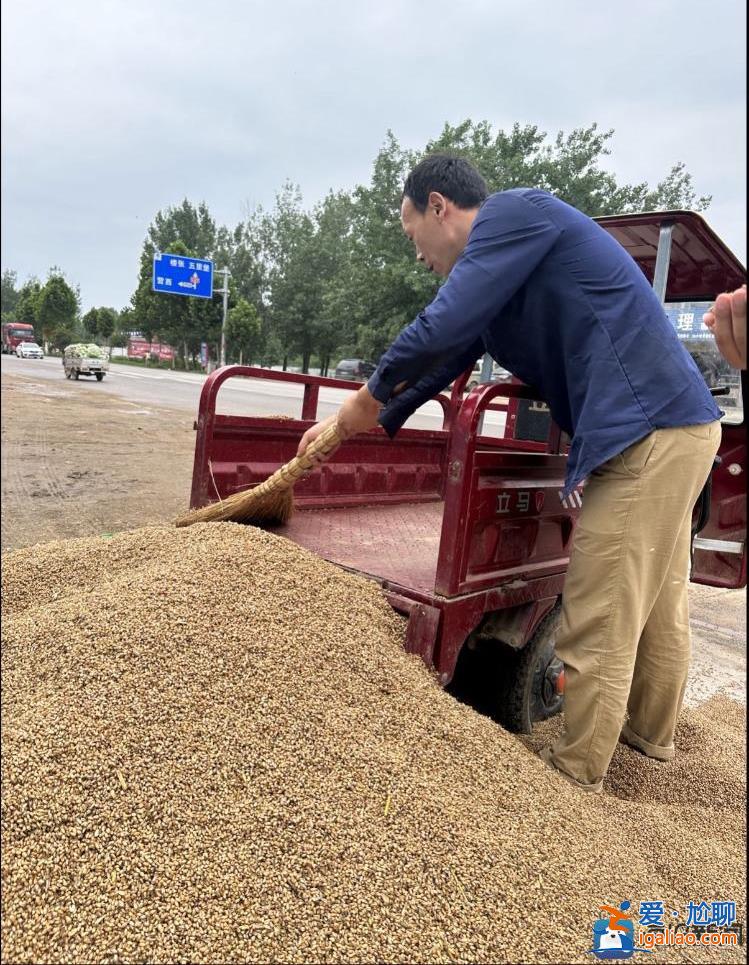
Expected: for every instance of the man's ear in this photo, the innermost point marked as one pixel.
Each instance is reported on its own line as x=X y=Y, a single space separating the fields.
x=437 y=204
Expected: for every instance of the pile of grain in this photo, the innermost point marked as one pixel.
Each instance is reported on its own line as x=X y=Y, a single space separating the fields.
x=215 y=750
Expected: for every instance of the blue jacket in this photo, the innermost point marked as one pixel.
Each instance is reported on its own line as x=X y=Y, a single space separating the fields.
x=557 y=301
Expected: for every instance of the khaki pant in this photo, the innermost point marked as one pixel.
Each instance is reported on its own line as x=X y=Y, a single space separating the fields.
x=624 y=635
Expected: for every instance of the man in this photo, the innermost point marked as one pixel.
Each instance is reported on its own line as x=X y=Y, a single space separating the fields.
x=559 y=303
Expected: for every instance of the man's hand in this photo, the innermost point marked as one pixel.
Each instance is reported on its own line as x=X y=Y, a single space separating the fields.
x=357 y=414
x=727 y=321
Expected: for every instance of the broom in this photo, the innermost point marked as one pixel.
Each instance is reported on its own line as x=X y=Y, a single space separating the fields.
x=269 y=501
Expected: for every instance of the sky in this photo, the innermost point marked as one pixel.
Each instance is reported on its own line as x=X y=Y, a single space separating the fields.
x=115 y=109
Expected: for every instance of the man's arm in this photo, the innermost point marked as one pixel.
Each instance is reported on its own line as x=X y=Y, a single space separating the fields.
x=357 y=414
x=727 y=321
x=508 y=241
x=406 y=402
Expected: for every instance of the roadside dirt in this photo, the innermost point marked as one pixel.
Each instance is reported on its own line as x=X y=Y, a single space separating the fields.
x=79 y=463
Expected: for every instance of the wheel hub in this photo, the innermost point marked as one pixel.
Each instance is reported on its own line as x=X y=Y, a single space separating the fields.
x=553 y=682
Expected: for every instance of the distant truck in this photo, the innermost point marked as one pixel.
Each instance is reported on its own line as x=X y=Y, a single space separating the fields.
x=14 y=333
x=85 y=359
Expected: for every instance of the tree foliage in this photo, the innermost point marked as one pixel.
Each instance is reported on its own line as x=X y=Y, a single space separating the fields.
x=9 y=295
x=340 y=277
x=24 y=301
x=184 y=322
x=308 y=262
x=100 y=324
x=57 y=311
x=244 y=332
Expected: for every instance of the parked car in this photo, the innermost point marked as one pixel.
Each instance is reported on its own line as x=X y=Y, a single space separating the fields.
x=356 y=370
x=498 y=375
x=80 y=359
x=29 y=350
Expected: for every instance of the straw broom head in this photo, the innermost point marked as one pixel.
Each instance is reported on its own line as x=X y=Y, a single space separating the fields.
x=272 y=500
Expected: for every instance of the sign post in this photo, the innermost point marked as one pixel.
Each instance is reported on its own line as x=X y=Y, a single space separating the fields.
x=225 y=292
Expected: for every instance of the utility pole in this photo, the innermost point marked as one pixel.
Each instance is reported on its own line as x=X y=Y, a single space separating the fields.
x=487 y=367
x=225 y=292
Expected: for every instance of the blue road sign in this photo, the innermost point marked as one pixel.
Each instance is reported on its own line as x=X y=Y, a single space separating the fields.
x=180 y=275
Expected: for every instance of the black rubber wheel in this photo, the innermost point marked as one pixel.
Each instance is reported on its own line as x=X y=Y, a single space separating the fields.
x=76 y=373
x=528 y=692
x=99 y=376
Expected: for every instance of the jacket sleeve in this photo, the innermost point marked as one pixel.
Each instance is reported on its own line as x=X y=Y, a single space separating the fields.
x=405 y=403
x=509 y=239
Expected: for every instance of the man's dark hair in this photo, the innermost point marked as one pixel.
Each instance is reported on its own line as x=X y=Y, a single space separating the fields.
x=454 y=177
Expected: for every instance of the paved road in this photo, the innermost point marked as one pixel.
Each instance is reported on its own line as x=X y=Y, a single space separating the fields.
x=181 y=390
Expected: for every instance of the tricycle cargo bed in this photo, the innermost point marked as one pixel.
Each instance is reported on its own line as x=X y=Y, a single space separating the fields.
x=396 y=545
x=452 y=524
x=401 y=545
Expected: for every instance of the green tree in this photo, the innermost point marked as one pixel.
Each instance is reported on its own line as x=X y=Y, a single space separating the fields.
x=272 y=351
x=90 y=322
x=241 y=251
x=100 y=323
x=57 y=310
x=244 y=331
x=9 y=295
x=123 y=327
x=27 y=306
x=384 y=288
x=342 y=277
x=183 y=321
x=107 y=322
x=308 y=258
x=333 y=325
x=191 y=224
x=63 y=335
x=294 y=289
x=569 y=167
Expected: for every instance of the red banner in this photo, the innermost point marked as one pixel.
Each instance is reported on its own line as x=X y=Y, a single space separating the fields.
x=139 y=348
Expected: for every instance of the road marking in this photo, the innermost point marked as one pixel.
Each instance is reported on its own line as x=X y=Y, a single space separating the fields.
x=431 y=412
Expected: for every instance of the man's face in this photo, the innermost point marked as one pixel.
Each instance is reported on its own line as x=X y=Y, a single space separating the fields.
x=438 y=234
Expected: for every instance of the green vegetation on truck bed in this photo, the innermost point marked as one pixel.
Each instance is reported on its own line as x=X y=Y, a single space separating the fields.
x=85 y=351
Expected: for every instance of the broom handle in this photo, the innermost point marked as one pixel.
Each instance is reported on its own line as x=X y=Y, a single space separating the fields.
x=287 y=475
